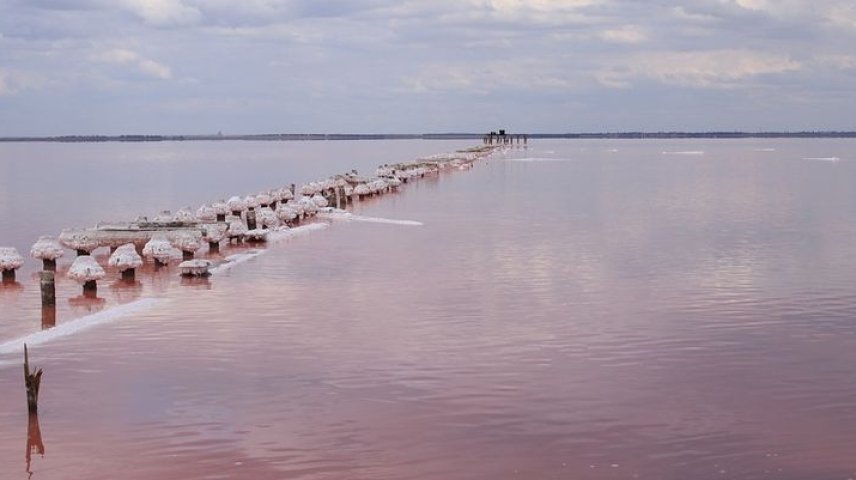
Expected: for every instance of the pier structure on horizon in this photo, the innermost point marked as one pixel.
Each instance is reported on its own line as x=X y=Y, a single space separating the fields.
x=502 y=138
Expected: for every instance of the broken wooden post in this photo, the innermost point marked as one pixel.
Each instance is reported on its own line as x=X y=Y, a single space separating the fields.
x=34 y=441
x=32 y=381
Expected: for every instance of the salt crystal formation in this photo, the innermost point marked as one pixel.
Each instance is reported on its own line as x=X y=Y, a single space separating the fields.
x=236 y=204
x=237 y=229
x=257 y=235
x=195 y=268
x=263 y=199
x=78 y=240
x=286 y=212
x=266 y=218
x=214 y=232
x=251 y=201
x=10 y=259
x=85 y=269
x=183 y=215
x=206 y=214
x=186 y=242
x=46 y=248
x=285 y=194
x=220 y=208
x=125 y=257
x=158 y=248
x=319 y=200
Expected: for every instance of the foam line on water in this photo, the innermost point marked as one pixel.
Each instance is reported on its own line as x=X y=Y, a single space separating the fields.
x=274 y=236
x=767 y=149
x=348 y=216
x=538 y=159
x=822 y=159
x=78 y=325
x=684 y=152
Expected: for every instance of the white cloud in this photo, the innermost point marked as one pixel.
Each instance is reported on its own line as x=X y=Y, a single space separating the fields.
x=147 y=67
x=12 y=81
x=487 y=77
x=706 y=69
x=629 y=34
x=163 y=13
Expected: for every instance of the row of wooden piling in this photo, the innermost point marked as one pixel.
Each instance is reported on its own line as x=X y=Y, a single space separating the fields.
x=340 y=196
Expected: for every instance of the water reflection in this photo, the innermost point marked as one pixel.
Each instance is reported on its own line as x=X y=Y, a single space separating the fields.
x=126 y=290
x=34 y=442
x=10 y=288
x=48 y=316
x=197 y=283
x=87 y=303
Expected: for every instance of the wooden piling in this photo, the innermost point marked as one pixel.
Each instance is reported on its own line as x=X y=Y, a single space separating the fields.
x=32 y=381
x=213 y=247
x=47 y=282
x=221 y=217
x=49 y=265
x=90 y=289
x=9 y=275
x=251 y=219
x=186 y=255
x=129 y=275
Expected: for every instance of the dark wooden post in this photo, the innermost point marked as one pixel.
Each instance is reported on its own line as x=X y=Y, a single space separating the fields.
x=90 y=289
x=9 y=275
x=48 y=285
x=251 y=219
x=32 y=380
x=49 y=265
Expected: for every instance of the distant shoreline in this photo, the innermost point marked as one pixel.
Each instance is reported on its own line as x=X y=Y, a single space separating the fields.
x=425 y=136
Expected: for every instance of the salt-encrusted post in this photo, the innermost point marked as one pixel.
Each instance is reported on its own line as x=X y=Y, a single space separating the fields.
x=32 y=381
x=10 y=260
x=86 y=270
x=126 y=259
x=47 y=249
x=47 y=282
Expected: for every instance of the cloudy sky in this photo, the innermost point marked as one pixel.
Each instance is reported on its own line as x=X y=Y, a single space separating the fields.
x=413 y=66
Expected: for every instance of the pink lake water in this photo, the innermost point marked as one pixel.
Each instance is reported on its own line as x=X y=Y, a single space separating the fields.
x=575 y=310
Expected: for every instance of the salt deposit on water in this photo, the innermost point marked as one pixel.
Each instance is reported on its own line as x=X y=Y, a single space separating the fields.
x=78 y=325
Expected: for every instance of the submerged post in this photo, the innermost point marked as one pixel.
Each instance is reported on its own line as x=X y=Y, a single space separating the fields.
x=32 y=381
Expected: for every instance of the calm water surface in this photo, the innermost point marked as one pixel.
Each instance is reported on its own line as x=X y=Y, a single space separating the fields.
x=576 y=310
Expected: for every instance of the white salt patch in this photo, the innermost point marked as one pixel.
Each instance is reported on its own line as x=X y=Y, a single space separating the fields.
x=335 y=214
x=76 y=326
x=538 y=159
x=685 y=152
x=233 y=260
x=767 y=149
x=823 y=159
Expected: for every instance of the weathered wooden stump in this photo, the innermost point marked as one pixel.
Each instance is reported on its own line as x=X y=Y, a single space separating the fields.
x=8 y=275
x=32 y=381
x=49 y=265
x=214 y=247
x=129 y=275
x=47 y=282
x=251 y=219
x=90 y=288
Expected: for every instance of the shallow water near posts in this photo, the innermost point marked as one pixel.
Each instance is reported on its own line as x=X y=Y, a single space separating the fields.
x=577 y=309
